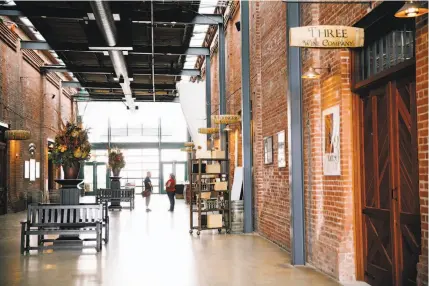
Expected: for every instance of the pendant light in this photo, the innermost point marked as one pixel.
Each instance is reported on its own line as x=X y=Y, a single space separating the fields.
x=411 y=10
x=310 y=74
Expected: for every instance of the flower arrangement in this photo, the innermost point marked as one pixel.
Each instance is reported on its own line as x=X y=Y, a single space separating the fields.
x=116 y=159
x=71 y=146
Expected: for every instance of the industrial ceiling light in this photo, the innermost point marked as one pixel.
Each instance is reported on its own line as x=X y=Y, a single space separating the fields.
x=312 y=74
x=411 y=10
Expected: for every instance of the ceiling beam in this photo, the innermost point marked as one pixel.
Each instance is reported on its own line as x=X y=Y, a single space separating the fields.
x=109 y=70
x=138 y=17
x=159 y=98
x=108 y=85
x=161 y=50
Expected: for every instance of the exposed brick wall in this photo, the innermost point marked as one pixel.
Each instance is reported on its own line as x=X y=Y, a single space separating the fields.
x=268 y=58
x=329 y=203
x=423 y=122
x=27 y=103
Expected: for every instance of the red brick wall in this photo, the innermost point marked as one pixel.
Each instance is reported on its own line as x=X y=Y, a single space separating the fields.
x=423 y=122
x=268 y=89
x=329 y=205
x=27 y=103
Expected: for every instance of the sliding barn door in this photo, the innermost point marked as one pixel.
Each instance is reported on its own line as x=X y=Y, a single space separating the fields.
x=406 y=191
x=377 y=210
x=391 y=217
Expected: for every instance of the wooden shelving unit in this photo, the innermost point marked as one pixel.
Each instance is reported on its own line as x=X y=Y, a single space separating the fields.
x=203 y=183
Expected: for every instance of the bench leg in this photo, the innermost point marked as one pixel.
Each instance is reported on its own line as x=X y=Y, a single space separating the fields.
x=98 y=246
x=27 y=239
x=23 y=226
x=107 y=231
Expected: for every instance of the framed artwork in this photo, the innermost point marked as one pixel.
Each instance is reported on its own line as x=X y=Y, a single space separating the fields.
x=331 y=141
x=281 y=149
x=268 y=150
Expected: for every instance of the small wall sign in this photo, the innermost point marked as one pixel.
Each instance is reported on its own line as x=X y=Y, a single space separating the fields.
x=326 y=37
x=331 y=141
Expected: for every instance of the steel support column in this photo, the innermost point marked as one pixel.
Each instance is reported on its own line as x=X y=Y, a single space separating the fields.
x=246 y=118
x=222 y=86
x=208 y=98
x=295 y=138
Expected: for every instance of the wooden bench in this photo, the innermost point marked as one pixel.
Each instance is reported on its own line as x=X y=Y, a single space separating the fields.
x=61 y=220
x=121 y=195
x=105 y=218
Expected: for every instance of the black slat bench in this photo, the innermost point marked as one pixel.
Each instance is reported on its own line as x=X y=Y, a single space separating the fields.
x=122 y=195
x=105 y=218
x=61 y=220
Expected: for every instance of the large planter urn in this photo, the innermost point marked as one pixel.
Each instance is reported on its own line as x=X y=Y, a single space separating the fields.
x=71 y=171
x=116 y=172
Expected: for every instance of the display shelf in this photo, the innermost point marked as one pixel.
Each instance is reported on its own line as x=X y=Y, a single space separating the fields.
x=211 y=210
x=199 y=185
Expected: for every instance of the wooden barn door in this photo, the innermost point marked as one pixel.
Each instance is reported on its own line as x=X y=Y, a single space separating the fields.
x=391 y=220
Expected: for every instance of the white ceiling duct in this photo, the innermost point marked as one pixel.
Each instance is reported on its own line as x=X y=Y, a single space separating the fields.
x=193 y=102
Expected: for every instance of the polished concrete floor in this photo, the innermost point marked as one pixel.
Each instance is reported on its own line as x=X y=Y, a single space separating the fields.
x=153 y=249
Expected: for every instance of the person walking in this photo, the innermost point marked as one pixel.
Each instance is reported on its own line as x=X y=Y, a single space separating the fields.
x=147 y=190
x=170 y=187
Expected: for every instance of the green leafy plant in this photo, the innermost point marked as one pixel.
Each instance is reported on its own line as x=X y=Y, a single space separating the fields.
x=116 y=159
x=71 y=145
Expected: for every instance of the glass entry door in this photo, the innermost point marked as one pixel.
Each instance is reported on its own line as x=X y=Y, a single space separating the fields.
x=96 y=176
x=176 y=168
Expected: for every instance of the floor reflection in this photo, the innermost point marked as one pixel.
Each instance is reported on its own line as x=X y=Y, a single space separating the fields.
x=153 y=249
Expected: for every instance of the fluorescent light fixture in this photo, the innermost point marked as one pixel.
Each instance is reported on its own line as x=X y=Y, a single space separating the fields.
x=116 y=79
x=125 y=53
x=32 y=170
x=110 y=48
x=91 y=16
x=131 y=79
x=37 y=170
x=4 y=124
x=173 y=23
x=106 y=53
x=27 y=170
x=116 y=17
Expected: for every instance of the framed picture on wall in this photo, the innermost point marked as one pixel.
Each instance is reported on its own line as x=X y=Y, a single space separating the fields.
x=268 y=150
x=331 y=141
x=281 y=154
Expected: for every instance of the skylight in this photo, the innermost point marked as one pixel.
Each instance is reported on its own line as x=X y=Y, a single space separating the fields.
x=200 y=31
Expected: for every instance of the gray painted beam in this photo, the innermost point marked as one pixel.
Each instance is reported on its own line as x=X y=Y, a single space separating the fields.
x=110 y=70
x=208 y=97
x=246 y=118
x=105 y=85
x=136 y=16
x=222 y=85
x=172 y=50
x=295 y=139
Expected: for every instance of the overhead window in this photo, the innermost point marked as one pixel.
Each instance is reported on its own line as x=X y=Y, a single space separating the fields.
x=385 y=51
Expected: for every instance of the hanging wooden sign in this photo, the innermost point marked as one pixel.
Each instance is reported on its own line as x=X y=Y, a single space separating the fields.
x=326 y=37
x=17 y=135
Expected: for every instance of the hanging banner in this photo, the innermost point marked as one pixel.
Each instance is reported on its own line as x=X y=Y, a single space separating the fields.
x=326 y=37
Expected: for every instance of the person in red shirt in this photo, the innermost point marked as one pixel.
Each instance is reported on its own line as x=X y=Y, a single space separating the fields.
x=170 y=187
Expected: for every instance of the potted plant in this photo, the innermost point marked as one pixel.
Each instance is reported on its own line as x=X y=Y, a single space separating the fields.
x=70 y=148
x=116 y=161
